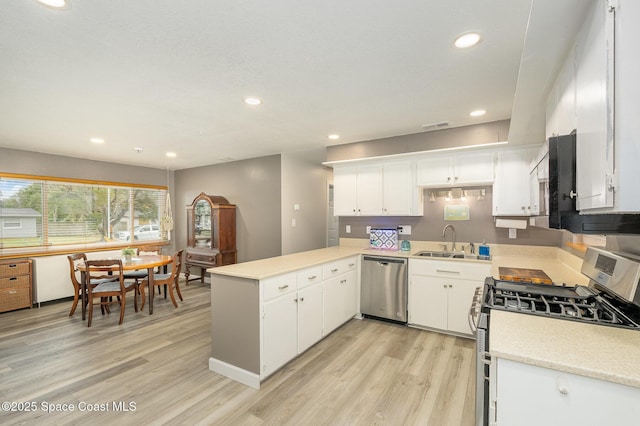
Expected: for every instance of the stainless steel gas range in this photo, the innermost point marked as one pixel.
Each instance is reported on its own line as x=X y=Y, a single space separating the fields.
x=611 y=299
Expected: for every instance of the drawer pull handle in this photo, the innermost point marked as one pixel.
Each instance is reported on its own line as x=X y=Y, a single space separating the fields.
x=448 y=272
x=13 y=265
x=312 y=277
x=334 y=270
x=343 y=281
x=351 y=265
x=13 y=278
x=282 y=287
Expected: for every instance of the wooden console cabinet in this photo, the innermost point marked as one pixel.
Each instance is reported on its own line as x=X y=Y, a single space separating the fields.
x=15 y=284
x=211 y=234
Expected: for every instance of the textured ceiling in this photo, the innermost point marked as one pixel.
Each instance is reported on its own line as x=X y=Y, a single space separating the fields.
x=170 y=76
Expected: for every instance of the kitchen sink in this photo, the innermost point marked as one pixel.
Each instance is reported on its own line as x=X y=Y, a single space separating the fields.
x=452 y=255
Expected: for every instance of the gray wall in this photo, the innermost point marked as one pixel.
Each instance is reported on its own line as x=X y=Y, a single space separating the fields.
x=253 y=186
x=304 y=182
x=478 y=134
x=35 y=163
x=480 y=227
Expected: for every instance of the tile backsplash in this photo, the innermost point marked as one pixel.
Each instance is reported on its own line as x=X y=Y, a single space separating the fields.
x=384 y=238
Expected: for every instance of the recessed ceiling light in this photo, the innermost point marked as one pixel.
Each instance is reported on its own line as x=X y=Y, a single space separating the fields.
x=334 y=137
x=477 y=113
x=252 y=100
x=56 y=4
x=467 y=40
x=96 y=140
x=171 y=154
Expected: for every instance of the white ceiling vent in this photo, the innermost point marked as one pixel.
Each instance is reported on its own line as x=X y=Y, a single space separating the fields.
x=435 y=126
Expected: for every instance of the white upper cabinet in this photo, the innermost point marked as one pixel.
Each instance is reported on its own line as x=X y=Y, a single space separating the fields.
x=460 y=169
x=399 y=192
x=607 y=84
x=561 y=102
x=511 y=189
x=594 y=107
x=378 y=189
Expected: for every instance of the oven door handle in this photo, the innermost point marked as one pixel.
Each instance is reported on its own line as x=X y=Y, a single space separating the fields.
x=473 y=310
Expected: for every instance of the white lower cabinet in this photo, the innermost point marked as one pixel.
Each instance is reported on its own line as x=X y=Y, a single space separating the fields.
x=301 y=307
x=441 y=292
x=530 y=395
x=309 y=316
x=280 y=331
x=340 y=300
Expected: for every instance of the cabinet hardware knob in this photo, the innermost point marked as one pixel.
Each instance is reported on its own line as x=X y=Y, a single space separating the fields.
x=334 y=270
x=343 y=281
x=302 y=299
x=312 y=277
x=282 y=287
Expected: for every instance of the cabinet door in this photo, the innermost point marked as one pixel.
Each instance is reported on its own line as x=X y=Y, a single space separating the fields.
x=594 y=108
x=370 y=190
x=566 y=107
x=309 y=316
x=435 y=171
x=475 y=168
x=428 y=301
x=345 y=190
x=279 y=333
x=534 y=195
x=331 y=305
x=398 y=189
x=459 y=299
x=349 y=284
x=568 y=399
x=511 y=186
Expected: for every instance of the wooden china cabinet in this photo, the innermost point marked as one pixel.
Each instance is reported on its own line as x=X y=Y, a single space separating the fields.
x=211 y=234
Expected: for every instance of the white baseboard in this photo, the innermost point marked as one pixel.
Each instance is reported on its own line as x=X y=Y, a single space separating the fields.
x=238 y=374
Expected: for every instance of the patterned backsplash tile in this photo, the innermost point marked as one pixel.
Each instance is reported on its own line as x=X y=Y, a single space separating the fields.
x=384 y=238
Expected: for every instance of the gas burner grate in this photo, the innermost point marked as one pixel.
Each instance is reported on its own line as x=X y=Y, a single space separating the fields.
x=570 y=305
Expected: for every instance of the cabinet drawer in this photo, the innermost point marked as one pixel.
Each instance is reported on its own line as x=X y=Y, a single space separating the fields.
x=309 y=276
x=14 y=269
x=451 y=269
x=14 y=282
x=339 y=267
x=15 y=298
x=277 y=286
x=201 y=258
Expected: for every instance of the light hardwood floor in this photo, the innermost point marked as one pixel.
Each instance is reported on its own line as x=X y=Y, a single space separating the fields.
x=366 y=373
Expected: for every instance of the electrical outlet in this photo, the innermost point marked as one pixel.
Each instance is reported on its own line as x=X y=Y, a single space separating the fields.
x=368 y=230
x=513 y=233
x=404 y=229
x=347 y=229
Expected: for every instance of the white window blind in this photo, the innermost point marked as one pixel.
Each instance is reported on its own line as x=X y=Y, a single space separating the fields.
x=55 y=212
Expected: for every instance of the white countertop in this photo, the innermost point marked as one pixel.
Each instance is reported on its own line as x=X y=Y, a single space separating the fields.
x=597 y=351
x=272 y=266
x=558 y=264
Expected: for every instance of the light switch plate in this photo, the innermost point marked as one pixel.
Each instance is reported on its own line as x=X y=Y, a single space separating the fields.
x=347 y=229
x=404 y=229
x=368 y=230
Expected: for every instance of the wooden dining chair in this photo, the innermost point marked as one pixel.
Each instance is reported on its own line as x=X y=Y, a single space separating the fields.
x=106 y=290
x=170 y=280
x=74 y=260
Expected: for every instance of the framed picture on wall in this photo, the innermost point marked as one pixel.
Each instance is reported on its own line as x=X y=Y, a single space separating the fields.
x=457 y=212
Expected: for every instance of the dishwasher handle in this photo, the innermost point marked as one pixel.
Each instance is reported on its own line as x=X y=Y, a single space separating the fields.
x=384 y=261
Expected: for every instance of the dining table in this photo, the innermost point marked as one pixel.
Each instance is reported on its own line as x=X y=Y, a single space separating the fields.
x=148 y=262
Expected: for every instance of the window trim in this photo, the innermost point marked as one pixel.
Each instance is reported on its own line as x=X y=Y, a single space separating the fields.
x=12 y=252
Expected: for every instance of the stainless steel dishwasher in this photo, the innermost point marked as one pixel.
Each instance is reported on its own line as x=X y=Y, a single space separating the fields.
x=383 y=291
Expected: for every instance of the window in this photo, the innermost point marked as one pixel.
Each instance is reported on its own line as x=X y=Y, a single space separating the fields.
x=49 y=212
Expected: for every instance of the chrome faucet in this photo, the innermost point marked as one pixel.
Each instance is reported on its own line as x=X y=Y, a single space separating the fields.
x=453 y=236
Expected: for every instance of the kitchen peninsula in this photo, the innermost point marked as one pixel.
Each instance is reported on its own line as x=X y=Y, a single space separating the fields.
x=266 y=312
